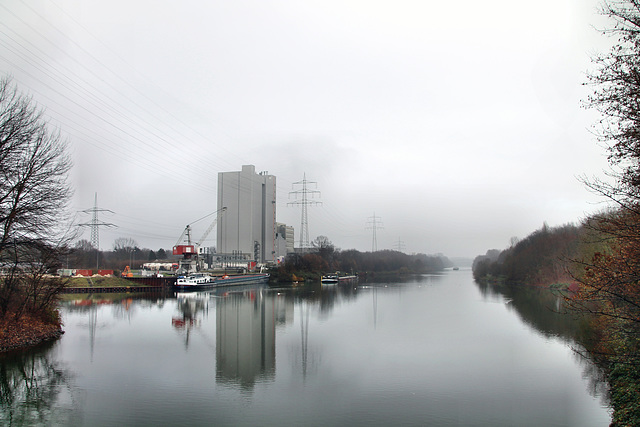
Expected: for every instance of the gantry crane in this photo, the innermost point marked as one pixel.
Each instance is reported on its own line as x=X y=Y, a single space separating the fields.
x=191 y=261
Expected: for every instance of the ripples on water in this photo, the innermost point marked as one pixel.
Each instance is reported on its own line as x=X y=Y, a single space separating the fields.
x=438 y=350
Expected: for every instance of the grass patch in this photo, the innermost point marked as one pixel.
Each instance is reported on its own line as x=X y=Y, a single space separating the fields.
x=101 y=282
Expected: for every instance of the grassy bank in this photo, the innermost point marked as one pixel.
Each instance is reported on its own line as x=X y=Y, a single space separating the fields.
x=101 y=281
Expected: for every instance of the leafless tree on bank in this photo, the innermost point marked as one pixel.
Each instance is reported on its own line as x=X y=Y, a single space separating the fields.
x=34 y=194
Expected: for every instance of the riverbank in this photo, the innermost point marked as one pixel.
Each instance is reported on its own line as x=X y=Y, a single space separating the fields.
x=101 y=282
x=27 y=331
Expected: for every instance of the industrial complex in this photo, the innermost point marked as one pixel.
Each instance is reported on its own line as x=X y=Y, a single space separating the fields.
x=247 y=227
x=247 y=231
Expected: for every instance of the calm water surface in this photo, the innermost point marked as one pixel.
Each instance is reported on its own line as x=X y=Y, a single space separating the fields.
x=437 y=350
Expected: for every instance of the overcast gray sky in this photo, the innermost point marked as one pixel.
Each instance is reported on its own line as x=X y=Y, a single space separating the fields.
x=459 y=124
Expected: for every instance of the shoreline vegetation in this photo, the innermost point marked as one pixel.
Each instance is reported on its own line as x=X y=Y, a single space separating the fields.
x=27 y=332
x=379 y=265
x=23 y=330
x=594 y=275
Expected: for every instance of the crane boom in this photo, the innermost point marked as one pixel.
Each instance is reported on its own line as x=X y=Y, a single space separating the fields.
x=190 y=251
x=187 y=232
x=213 y=224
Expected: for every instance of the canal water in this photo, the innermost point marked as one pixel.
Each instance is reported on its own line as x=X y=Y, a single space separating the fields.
x=436 y=350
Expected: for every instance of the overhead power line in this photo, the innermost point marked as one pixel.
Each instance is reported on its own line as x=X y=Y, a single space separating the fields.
x=303 y=193
x=130 y=117
x=374 y=224
x=399 y=246
x=95 y=225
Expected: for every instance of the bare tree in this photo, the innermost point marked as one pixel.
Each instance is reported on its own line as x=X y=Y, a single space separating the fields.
x=616 y=81
x=124 y=244
x=33 y=170
x=34 y=193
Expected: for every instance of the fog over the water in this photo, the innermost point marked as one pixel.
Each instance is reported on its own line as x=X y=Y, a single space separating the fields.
x=458 y=124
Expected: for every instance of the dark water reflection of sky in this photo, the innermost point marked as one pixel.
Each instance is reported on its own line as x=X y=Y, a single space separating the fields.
x=438 y=350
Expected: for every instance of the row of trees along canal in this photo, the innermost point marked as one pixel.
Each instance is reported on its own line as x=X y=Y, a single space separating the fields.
x=325 y=257
x=598 y=261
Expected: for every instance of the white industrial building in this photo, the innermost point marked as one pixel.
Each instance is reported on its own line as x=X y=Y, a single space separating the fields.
x=285 y=239
x=247 y=229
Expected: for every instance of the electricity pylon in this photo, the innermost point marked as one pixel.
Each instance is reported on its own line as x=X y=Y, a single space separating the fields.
x=374 y=223
x=95 y=225
x=400 y=246
x=304 y=201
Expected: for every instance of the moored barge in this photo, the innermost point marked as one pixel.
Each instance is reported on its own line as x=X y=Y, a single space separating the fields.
x=203 y=280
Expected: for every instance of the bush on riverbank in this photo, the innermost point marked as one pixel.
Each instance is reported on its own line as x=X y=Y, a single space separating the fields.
x=30 y=314
x=28 y=330
x=625 y=389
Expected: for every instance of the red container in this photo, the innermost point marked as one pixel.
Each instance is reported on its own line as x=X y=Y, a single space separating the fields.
x=84 y=272
x=105 y=272
x=183 y=249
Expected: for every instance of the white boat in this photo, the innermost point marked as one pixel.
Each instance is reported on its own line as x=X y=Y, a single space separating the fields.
x=329 y=279
x=202 y=280
x=332 y=279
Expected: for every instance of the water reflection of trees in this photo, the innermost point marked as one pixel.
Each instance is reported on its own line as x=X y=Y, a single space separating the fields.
x=326 y=298
x=539 y=308
x=544 y=311
x=323 y=296
x=34 y=390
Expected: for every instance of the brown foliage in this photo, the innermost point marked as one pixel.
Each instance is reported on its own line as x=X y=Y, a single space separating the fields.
x=27 y=331
x=610 y=285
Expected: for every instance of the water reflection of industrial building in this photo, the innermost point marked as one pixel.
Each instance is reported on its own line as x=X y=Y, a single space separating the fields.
x=246 y=336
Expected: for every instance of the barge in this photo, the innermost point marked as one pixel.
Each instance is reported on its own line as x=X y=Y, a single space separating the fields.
x=203 y=281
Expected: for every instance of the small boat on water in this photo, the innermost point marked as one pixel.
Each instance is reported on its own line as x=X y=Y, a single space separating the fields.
x=203 y=280
x=333 y=279
x=329 y=279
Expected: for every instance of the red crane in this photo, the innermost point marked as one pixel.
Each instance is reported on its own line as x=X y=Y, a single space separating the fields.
x=190 y=251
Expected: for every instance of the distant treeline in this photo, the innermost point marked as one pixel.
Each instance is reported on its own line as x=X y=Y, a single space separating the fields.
x=544 y=257
x=125 y=252
x=328 y=259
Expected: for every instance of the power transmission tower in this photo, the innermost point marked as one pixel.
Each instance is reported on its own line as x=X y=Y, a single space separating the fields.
x=400 y=246
x=374 y=223
x=95 y=225
x=304 y=201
